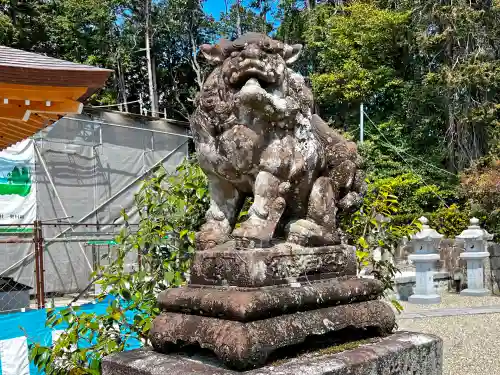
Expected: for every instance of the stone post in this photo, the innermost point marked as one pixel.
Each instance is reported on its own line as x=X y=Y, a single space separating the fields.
x=476 y=252
x=425 y=244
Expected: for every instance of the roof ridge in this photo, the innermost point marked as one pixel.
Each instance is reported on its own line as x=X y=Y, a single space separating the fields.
x=18 y=58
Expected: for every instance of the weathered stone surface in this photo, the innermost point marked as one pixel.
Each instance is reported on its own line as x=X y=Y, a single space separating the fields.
x=403 y=353
x=255 y=134
x=280 y=264
x=252 y=304
x=493 y=277
x=247 y=345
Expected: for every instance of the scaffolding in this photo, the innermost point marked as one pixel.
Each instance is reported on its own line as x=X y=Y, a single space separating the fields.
x=87 y=170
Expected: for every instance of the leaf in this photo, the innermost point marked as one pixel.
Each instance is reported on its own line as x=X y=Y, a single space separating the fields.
x=200 y=193
x=95 y=364
x=362 y=242
x=397 y=305
x=116 y=315
x=146 y=327
x=169 y=276
x=126 y=294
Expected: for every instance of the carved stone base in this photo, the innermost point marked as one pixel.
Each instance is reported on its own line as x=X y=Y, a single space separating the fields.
x=281 y=264
x=247 y=304
x=247 y=345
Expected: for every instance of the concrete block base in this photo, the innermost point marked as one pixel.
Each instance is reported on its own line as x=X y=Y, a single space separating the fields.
x=402 y=353
x=475 y=292
x=424 y=299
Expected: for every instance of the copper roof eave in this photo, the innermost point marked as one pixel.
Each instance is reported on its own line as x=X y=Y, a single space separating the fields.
x=92 y=80
x=26 y=69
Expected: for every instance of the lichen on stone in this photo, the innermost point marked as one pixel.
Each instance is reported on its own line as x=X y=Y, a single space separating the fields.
x=333 y=349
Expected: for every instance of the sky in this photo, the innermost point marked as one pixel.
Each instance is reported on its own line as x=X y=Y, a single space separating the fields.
x=214 y=7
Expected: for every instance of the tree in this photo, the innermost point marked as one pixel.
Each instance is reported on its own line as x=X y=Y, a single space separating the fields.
x=358 y=57
x=180 y=28
x=153 y=94
x=240 y=20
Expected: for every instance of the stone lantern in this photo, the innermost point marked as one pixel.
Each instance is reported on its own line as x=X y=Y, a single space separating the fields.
x=425 y=244
x=475 y=239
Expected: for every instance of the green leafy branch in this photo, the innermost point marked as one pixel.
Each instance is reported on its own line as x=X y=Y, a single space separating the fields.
x=170 y=208
x=371 y=229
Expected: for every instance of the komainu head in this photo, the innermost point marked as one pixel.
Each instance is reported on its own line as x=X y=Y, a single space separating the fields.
x=251 y=75
x=252 y=55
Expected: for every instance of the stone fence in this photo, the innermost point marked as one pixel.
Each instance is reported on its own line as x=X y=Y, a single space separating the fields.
x=451 y=265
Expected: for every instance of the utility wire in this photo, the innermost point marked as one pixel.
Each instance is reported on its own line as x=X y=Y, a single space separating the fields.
x=404 y=160
x=395 y=148
x=420 y=160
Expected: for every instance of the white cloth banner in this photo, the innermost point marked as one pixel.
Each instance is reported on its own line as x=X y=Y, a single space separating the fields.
x=17 y=186
x=14 y=356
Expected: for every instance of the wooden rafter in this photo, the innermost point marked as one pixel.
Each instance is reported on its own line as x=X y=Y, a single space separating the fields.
x=9 y=137
x=56 y=107
x=19 y=127
x=13 y=128
x=14 y=113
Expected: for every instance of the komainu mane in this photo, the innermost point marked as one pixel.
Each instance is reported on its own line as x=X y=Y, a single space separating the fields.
x=255 y=135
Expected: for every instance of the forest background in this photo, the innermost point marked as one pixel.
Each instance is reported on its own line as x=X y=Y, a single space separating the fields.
x=426 y=71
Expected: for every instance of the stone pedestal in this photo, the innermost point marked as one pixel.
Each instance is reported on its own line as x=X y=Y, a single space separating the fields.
x=283 y=263
x=403 y=353
x=425 y=244
x=476 y=240
x=246 y=305
x=475 y=273
x=425 y=292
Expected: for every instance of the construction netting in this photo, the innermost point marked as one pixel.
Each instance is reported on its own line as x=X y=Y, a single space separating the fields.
x=83 y=171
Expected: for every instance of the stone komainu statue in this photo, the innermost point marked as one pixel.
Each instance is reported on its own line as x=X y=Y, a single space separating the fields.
x=255 y=136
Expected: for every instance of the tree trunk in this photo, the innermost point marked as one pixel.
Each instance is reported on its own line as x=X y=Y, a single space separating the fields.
x=121 y=87
x=238 y=19
x=153 y=97
x=264 y=18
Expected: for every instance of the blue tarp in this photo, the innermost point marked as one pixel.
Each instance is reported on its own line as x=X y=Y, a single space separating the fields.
x=15 y=326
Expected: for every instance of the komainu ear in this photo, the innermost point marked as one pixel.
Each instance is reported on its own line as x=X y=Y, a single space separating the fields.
x=214 y=54
x=292 y=53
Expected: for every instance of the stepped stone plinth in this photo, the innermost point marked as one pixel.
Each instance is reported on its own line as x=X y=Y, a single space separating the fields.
x=274 y=298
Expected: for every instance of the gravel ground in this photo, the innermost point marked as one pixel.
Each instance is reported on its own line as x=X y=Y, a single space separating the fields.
x=471 y=343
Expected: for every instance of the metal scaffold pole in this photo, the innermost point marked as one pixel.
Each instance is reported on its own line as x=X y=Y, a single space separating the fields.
x=39 y=266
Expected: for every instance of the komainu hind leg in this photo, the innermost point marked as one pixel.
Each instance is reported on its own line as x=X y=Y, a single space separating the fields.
x=319 y=227
x=354 y=199
x=264 y=214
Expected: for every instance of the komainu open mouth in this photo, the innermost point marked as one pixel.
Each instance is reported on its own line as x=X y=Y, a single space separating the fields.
x=256 y=76
x=250 y=68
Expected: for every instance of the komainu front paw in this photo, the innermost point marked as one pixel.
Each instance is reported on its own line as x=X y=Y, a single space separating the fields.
x=254 y=232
